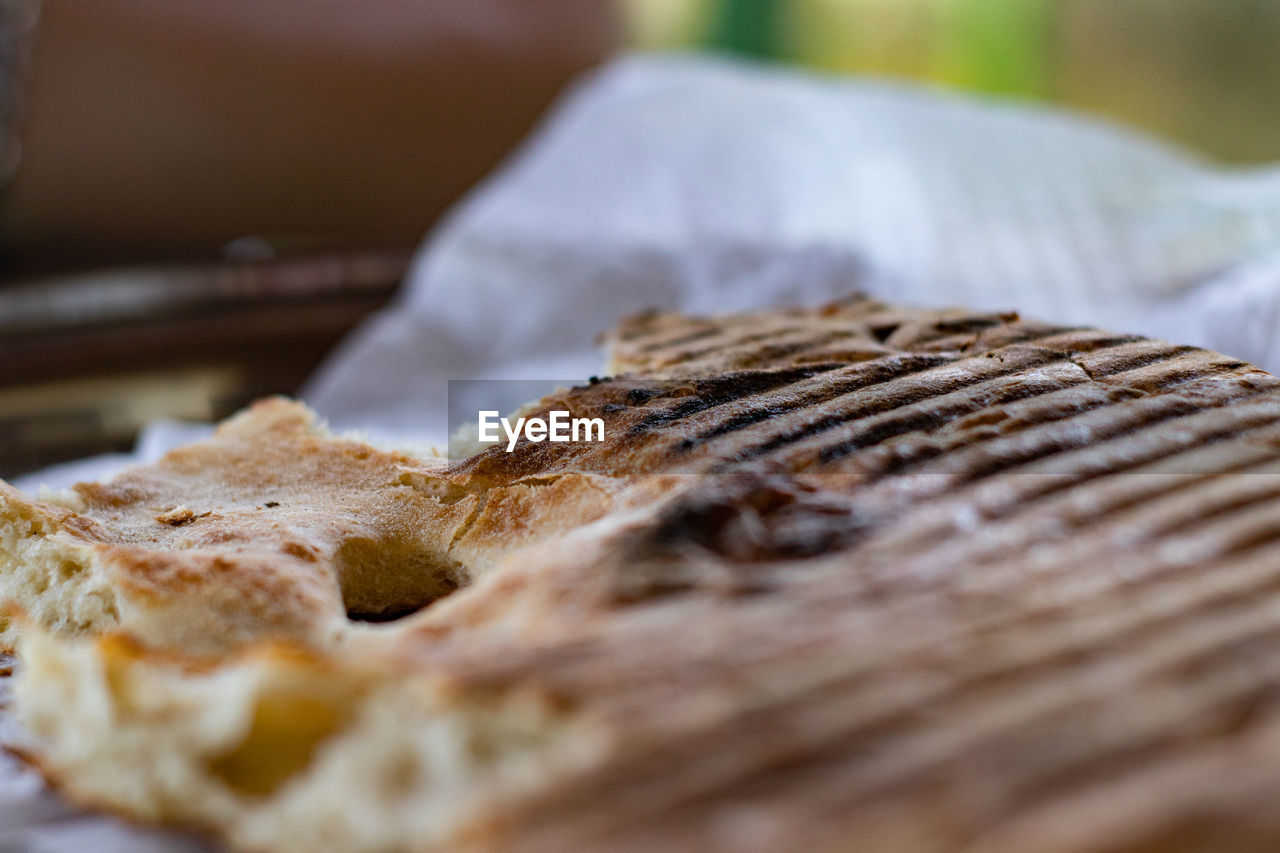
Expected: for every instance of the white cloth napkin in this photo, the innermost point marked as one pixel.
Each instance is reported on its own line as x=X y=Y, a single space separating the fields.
x=701 y=185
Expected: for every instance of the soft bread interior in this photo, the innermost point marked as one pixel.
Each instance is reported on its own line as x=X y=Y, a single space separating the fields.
x=285 y=751
x=53 y=576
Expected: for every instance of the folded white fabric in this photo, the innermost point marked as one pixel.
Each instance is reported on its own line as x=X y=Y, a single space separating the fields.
x=701 y=185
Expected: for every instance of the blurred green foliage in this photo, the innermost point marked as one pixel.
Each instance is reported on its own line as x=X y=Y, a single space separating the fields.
x=1205 y=73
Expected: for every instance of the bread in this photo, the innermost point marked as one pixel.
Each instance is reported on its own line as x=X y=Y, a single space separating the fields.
x=859 y=577
x=274 y=529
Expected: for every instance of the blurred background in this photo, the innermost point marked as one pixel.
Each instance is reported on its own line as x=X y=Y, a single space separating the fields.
x=211 y=197
x=1203 y=73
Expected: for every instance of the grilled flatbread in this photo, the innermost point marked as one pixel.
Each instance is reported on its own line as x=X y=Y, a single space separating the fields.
x=274 y=529
x=861 y=577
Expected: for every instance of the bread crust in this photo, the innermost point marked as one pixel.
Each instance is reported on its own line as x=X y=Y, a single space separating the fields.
x=862 y=575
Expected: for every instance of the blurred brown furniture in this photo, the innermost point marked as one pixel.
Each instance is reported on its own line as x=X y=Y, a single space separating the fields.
x=86 y=359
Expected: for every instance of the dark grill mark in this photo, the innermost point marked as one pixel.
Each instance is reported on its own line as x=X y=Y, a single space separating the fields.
x=967 y=325
x=908 y=457
x=1114 y=462
x=1113 y=466
x=1254 y=536
x=1180 y=375
x=1012 y=458
x=684 y=338
x=719 y=390
x=939 y=550
x=835 y=420
x=936 y=417
x=1175 y=484
x=1176 y=373
x=884 y=371
x=1138 y=361
x=910 y=395
x=772 y=352
x=1021 y=335
x=880 y=371
x=720 y=346
x=1085 y=347
x=1213 y=513
x=868 y=374
x=922 y=453
x=792 y=349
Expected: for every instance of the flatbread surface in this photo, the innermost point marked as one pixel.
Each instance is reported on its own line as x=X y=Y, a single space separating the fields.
x=859 y=576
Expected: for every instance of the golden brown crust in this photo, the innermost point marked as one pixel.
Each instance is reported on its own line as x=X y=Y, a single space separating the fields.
x=272 y=529
x=919 y=581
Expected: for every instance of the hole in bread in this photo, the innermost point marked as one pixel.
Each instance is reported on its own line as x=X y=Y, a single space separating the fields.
x=882 y=333
x=384 y=581
x=282 y=738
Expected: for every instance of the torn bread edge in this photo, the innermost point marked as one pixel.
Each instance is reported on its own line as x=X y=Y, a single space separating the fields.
x=283 y=749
